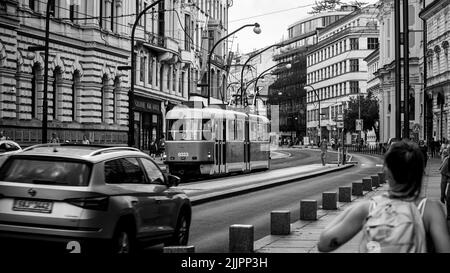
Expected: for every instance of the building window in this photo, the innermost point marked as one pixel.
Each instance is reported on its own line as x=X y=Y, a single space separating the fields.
x=113 y=14
x=73 y=10
x=354 y=65
x=100 y=17
x=354 y=87
x=32 y=5
x=372 y=43
x=52 y=8
x=187 y=25
x=75 y=85
x=150 y=70
x=35 y=71
x=114 y=100
x=142 y=68
x=103 y=97
x=57 y=74
x=354 y=44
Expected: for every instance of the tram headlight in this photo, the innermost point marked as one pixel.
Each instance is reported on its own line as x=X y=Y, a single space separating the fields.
x=164 y=156
x=209 y=155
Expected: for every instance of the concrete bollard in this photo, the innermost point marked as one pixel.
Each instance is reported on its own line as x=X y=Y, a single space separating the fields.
x=367 y=184
x=329 y=200
x=280 y=222
x=308 y=210
x=375 y=181
x=357 y=188
x=345 y=194
x=241 y=239
x=382 y=178
x=179 y=249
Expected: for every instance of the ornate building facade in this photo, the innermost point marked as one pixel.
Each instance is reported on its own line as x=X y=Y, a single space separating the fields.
x=89 y=42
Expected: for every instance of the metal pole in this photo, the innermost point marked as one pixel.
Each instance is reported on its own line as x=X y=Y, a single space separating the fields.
x=133 y=76
x=45 y=102
x=398 y=78
x=425 y=96
x=406 y=68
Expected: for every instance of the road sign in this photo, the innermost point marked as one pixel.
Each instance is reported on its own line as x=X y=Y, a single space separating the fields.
x=340 y=124
x=359 y=124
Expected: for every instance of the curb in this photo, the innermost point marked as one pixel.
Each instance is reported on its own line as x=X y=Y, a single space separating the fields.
x=251 y=188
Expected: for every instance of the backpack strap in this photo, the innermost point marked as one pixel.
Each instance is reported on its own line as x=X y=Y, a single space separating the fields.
x=421 y=206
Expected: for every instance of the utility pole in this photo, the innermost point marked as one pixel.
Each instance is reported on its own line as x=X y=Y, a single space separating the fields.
x=406 y=69
x=398 y=71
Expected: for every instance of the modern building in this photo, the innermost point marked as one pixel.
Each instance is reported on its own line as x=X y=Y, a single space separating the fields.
x=437 y=18
x=287 y=95
x=386 y=71
x=336 y=70
x=89 y=41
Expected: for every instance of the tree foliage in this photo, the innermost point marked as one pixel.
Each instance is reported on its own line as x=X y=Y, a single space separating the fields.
x=369 y=112
x=330 y=5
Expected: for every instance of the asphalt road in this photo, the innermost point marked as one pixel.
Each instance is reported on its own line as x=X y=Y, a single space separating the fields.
x=211 y=221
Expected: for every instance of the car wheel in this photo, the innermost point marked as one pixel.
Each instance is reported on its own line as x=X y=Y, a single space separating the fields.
x=123 y=241
x=181 y=235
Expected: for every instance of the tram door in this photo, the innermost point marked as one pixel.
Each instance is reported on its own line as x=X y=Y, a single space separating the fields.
x=220 y=146
x=247 y=145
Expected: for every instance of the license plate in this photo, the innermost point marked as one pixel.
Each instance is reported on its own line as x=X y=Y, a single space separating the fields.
x=183 y=154
x=33 y=205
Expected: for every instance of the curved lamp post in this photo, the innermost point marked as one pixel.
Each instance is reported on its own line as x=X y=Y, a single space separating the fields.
x=256 y=29
x=287 y=66
x=318 y=99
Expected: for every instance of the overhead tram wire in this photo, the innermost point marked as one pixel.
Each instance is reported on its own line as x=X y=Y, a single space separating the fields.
x=270 y=13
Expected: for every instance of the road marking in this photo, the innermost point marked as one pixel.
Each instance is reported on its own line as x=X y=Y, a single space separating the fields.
x=379 y=165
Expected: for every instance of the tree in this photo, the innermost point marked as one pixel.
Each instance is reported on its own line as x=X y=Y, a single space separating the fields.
x=324 y=5
x=330 y=5
x=369 y=113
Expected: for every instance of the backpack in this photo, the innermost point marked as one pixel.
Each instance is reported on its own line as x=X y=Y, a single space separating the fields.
x=394 y=226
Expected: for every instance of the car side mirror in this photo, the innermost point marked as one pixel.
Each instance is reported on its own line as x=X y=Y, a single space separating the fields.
x=172 y=180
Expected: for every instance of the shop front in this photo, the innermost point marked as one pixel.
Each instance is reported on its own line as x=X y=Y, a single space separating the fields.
x=148 y=121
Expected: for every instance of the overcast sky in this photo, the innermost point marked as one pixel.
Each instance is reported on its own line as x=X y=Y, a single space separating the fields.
x=276 y=16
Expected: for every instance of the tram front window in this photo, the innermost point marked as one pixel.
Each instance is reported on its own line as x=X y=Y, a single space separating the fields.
x=189 y=129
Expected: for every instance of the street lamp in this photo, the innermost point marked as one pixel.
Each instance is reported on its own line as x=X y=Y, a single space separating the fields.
x=46 y=49
x=133 y=73
x=256 y=29
x=318 y=99
x=287 y=66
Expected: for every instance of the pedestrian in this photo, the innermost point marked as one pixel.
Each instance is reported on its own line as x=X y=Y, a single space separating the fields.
x=153 y=148
x=85 y=140
x=54 y=138
x=2 y=135
x=323 y=149
x=445 y=180
x=397 y=221
x=162 y=146
x=424 y=149
x=442 y=149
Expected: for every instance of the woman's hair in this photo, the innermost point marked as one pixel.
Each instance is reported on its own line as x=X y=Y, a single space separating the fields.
x=405 y=162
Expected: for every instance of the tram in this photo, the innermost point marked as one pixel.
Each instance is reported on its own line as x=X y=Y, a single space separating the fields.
x=213 y=141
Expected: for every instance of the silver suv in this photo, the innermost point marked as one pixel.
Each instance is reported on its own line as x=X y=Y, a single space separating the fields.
x=86 y=197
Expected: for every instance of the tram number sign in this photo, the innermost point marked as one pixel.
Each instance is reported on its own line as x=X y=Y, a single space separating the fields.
x=340 y=124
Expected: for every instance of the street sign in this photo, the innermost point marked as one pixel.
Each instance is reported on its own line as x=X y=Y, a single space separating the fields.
x=340 y=124
x=359 y=124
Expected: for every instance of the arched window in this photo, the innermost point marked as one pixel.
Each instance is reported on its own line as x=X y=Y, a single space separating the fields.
x=103 y=97
x=115 y=109
x=57 y=76
x=75 y=86
x=35 y=70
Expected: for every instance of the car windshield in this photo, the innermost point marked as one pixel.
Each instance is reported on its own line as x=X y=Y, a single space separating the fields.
x=47 y=172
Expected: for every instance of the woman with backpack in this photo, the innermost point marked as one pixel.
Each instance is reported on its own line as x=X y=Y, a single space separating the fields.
x=398 y=221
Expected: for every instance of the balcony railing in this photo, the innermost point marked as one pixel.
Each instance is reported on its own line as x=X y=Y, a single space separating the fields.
x=155 y=39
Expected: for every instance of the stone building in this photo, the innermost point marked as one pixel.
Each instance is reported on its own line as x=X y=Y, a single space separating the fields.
x=89 y=42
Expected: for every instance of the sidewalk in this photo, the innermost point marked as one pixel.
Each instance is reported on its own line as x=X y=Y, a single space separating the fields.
x=305 y=234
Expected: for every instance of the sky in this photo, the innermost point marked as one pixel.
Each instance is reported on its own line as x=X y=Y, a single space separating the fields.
x=274 y=16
